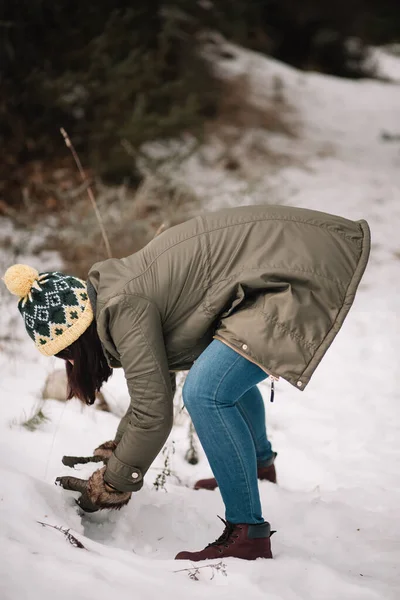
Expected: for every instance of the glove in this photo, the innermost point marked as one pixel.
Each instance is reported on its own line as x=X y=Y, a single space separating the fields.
x=103 y=495
x=96 y=494
x=105 y=450
x=77 y=485
x=101 y=454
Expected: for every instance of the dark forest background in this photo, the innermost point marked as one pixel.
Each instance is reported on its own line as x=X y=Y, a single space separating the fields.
x=118 y=69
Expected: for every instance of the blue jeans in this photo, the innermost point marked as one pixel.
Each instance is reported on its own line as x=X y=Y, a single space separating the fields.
x=227 y=410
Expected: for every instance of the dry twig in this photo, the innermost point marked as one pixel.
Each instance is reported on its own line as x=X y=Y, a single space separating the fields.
x=89 y=190
x=161 y=478
x=193 y=572
x=70 y=538
x=192 y=455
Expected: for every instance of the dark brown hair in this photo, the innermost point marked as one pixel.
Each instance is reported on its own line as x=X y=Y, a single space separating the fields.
x=89 y=369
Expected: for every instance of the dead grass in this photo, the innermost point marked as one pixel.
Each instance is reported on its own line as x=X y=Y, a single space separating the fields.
x=131 y=219
x=56 y=204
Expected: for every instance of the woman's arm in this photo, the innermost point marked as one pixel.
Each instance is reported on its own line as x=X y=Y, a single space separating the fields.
x=122 y=425
x=135 y=328
x=125 y=419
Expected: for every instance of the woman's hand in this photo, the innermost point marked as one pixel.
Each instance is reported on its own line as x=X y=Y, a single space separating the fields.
x=102 y=495
x=105 y=450
x=96 y=494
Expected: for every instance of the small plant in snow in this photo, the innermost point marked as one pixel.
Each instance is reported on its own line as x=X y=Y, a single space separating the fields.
x=193 y=572
x=69 y=537
x=33 y=422
x=39 y=418
x=181 y=416
x=192 y=455
x=161 y=479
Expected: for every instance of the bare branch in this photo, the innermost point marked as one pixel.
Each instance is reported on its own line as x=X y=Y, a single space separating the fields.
x=89 y=191
x=70 y=538
x=193 y=572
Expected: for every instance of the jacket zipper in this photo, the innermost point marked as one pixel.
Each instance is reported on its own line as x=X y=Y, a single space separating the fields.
x=272 y=377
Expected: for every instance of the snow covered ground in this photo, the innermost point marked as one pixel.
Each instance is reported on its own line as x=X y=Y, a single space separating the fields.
x=336 y=508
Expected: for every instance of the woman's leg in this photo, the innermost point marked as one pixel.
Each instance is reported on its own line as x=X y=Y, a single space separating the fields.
x=251 y=406
x=213 y=387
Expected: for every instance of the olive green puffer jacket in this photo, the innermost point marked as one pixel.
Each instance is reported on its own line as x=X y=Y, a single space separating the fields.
x=275 y=283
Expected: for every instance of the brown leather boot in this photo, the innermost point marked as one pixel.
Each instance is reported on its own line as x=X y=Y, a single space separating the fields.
x=239 y=541
x=265 y=473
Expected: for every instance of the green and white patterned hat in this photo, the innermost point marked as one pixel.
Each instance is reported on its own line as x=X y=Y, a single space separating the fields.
x=55 y=307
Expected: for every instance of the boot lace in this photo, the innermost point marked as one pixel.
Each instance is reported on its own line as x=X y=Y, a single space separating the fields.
x=227 y=535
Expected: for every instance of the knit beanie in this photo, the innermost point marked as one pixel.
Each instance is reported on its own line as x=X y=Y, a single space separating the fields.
x=55 y=307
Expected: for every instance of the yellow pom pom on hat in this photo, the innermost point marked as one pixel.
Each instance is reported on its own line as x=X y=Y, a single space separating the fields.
x=55 y=307
x=19 y=279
